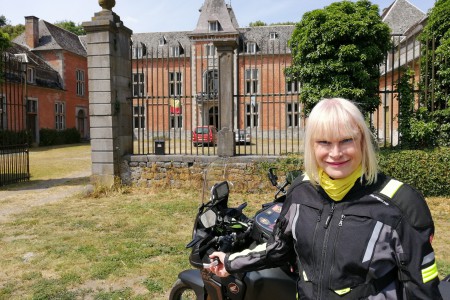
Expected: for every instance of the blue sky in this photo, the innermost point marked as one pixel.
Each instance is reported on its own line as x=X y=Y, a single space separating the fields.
x=169 y=15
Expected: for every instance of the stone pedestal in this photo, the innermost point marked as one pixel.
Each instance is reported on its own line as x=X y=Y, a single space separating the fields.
x=109 y=65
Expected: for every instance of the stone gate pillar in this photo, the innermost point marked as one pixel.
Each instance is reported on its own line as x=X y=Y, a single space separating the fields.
x=225 y=136
x=109 y=72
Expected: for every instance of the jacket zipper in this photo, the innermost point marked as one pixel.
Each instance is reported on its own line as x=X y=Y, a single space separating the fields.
x=324 y=249
x=330 y=215
x=319 y=217
x=334 y=246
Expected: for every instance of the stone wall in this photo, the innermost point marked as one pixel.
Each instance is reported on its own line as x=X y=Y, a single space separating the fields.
x=177 y=171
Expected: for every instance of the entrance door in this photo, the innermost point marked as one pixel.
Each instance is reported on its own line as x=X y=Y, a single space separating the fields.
x=32 y=124
x=81 y=120
x=213 y=116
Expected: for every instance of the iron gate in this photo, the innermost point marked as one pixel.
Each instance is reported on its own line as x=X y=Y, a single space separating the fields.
x=175 y=84
x=14 y=136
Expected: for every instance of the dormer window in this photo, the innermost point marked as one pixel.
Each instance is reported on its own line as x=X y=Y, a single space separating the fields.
x=137 y=52
x=176 y=51
x=30 y=75
x=273 y=35
x=213 y=26
x=162 y=41
x=250 y=48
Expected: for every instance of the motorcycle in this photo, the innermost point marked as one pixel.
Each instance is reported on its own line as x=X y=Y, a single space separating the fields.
x=218 y=227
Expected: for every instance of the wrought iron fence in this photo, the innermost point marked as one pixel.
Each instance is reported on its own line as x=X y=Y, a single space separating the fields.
x=176 y=91
x=14 y=136
x=406 y=55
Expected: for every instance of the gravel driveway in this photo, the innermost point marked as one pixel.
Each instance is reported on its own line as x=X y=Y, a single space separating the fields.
x=21 y=197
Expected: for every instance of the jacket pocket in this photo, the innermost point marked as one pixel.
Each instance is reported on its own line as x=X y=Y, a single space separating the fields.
x=355 y=243
x=305 y=228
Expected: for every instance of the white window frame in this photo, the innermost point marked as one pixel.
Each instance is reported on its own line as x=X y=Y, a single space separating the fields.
x=31 y=76
x=293 y=114
x=251 y=81
x=273 y=35
x=80 y=82
x=250 y=47
x=138 y=84
x=175 y=84
x=139 y=117
x=211 y=82
x=60 y=115
x=213 y=26
x=162 y=41
x=138 y=52
x=176 y=121
x=210 y=50
x=32 y=106
x=292 y=87
x=175 y=51
x=252 y=114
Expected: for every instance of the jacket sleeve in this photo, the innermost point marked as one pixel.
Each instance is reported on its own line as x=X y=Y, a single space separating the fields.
x=276 y=251
x=415 y=256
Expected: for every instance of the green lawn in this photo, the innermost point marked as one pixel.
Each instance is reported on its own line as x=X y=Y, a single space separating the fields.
x=125 y=245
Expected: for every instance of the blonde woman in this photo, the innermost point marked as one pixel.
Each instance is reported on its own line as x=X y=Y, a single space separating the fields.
x=354 y=232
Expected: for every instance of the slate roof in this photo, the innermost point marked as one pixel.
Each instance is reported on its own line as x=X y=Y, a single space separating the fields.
x=259 y=34
x=52 y=37
x=401 y=15
x=45 y=75
x=216 y=10
x=151 y=41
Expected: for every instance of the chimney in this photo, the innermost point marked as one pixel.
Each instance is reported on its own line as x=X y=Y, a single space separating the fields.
x=32 y=31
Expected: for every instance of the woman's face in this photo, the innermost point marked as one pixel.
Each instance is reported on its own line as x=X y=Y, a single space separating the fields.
x=338 y=157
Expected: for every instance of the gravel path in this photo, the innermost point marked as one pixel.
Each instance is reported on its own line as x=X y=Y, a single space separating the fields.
x=22 y=198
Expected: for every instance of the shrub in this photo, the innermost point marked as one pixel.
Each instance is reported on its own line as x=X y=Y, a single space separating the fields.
x=426 y=170
x=71 y=136
x=8 y=137
x=49 y=137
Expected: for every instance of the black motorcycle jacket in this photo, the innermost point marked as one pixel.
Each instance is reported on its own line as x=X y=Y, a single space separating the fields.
x=373 y=244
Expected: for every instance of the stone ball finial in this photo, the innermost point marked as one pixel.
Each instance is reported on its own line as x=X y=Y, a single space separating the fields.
x=107 y=4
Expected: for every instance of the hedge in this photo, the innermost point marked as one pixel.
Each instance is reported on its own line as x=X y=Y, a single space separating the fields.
x=426 y=170
x=50 y=137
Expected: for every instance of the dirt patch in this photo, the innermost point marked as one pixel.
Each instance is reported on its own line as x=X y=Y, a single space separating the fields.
x=18 y=200
x=68 y=179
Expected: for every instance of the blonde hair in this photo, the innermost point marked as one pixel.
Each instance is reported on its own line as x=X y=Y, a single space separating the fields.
x=337 y=117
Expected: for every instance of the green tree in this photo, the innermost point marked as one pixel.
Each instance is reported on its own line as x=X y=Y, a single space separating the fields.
x=71 y=26
x=4 y=37
x=12 y=31
x=431 y=122
x=283 y=23
x=435 y=71
x=257 y=23
x=2 y=21
x=337 y=52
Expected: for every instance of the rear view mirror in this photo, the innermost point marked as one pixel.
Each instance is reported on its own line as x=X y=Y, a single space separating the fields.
x=290 y=176
x=273 y=177
x=220 y=191
x=208 y=219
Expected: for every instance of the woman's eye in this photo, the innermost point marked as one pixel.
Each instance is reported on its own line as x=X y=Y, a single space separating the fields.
x=323 y=143
x=345 y=141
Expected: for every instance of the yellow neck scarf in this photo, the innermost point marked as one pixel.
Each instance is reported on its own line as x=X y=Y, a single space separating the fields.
x=338 y=188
